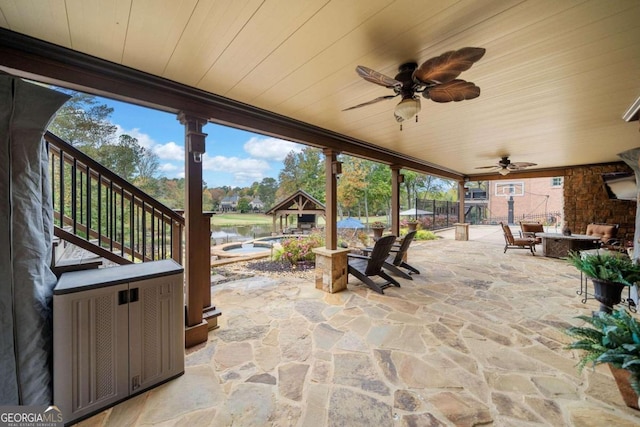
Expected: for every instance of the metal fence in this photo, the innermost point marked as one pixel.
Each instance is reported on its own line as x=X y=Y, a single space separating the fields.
x=548 y=218
x=435 y=214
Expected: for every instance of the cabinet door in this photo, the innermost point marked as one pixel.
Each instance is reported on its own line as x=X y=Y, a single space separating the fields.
x=90 y=350
x=156 y=331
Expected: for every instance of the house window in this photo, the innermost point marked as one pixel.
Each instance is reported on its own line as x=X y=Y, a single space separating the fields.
x=556 y=181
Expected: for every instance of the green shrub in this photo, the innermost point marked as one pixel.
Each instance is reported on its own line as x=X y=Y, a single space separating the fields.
x=614 y=268
x=276 y=254
x=609 y=338
x=425 y=235
x=300 y=248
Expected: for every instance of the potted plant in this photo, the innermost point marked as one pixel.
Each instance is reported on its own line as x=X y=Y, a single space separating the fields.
x=612 y=338
x=610 y=274
x=412 y=224
x=377 y=227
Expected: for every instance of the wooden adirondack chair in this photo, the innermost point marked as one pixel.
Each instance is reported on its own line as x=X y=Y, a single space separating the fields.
x=365 y=267
x=394 y=263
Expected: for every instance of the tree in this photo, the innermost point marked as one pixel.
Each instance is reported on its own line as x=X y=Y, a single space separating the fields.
x=352 y=184
x=379 y=188
x=122 y=157
x=83 y=122
x=432 y=187
x=172 y=192
x=303 y=171
x=410 y=185
x=215 y=196
x=244 y=205
x=267 y=191
x=147 y=170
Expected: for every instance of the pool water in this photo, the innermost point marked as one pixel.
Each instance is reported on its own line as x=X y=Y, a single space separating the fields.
x=247 y=249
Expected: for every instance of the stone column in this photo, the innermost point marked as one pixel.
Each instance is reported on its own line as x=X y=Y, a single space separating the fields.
x=331 y=269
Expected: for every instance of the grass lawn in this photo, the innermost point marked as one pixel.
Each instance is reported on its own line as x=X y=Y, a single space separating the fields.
x=233 y=218
x=241 y=219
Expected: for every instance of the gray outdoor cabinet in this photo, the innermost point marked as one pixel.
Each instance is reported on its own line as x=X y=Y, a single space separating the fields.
x=116 y=332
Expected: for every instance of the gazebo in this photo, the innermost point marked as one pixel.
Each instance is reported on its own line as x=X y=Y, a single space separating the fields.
x=302 y=204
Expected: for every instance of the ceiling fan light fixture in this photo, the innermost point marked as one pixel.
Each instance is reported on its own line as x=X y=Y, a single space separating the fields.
x=407 y=108
x=503 y=171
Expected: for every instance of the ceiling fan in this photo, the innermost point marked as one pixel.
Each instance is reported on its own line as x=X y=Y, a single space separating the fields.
x=505 y=166
x=436 y=79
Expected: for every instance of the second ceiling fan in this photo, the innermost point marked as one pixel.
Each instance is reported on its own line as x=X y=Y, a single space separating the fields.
x=436 y=79
x=504 y=166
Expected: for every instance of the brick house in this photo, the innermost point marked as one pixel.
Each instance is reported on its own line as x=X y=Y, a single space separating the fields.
x=538 y=199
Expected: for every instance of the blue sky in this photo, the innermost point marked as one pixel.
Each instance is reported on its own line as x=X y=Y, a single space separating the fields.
x=233 y=157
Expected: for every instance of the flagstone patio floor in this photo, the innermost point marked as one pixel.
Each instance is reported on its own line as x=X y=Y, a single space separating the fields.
x=475 y=339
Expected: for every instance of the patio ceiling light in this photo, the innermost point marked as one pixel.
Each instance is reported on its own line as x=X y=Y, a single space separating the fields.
x=407 y=108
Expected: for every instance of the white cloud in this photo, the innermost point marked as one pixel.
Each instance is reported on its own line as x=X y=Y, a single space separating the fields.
x=143 y=139
x=171 y=171
x=243 y=170
x=168 y=167
x=169 y=151
x=271 y=148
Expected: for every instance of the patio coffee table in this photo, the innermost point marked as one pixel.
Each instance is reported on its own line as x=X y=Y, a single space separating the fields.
x=556 y=245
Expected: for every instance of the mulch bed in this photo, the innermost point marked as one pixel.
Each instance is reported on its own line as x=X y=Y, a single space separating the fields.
x=274 y=269
x=278 y=267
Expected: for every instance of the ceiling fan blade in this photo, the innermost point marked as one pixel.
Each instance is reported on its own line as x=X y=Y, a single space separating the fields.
x=489 y=167
x=373 y=101
x=378 y=78
x=455 y=90
x=449 y=65
x=520 y=165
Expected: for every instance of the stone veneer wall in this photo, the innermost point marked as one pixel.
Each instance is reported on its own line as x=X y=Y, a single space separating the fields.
x=586 y=200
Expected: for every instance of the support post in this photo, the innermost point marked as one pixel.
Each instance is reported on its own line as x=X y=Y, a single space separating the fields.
x=331 y=230
x=331 y=263
x=461 y=207
x=209 y=312
x=395 y=200
x=632 y=158
x=197 y=270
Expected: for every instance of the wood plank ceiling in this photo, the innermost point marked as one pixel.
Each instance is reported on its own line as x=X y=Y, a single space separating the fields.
x=556 y=79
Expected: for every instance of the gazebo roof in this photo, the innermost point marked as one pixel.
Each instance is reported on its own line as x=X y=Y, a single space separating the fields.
x=298 y=202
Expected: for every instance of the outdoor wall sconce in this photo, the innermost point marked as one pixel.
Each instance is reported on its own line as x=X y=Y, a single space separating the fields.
x=336 y=168
x=197 y=149
x=400 y=179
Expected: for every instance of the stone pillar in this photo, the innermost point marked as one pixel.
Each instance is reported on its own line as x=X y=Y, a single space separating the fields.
x=197 y=270
x=331 y=269
x=462 y=231
x=395 y=199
